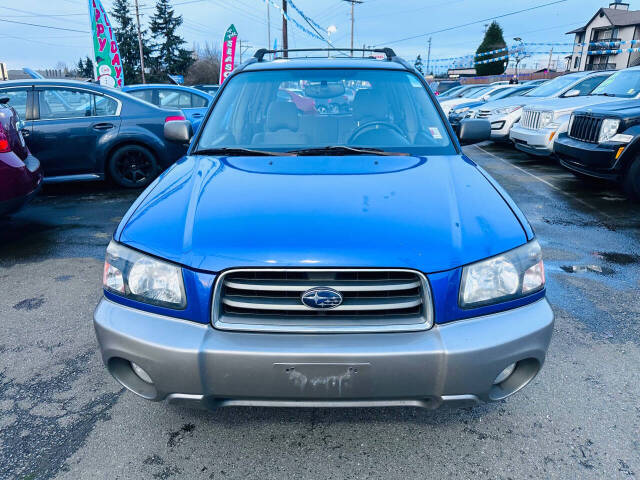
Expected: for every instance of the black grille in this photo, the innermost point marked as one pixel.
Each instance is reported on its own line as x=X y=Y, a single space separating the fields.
x=586 y=128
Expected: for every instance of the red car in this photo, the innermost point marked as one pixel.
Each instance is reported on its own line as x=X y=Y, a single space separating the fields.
x=20 y=173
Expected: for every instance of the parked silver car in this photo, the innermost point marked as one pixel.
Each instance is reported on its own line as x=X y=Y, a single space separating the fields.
x=543 y=121
x=503 y=114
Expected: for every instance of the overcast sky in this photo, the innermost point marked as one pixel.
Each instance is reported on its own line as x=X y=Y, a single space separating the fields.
x=377 y=22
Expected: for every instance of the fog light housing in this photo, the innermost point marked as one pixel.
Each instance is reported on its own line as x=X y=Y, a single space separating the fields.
x=144 y=376
x=504 y=374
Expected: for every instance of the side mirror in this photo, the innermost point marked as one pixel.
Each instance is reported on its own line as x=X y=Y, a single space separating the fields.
x=178 y=131
x=474 y=130
x=572 y=93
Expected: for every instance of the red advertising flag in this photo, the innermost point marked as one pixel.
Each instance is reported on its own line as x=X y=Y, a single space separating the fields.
x=228 y=53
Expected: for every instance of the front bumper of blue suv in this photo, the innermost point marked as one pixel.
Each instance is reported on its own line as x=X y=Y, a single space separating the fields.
x=192 y=363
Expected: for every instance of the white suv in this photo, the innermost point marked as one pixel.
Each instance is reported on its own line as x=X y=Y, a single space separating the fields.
x=503 y=114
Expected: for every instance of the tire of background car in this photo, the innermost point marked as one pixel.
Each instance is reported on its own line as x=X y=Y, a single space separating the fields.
x=132 y=166
x=631 y=180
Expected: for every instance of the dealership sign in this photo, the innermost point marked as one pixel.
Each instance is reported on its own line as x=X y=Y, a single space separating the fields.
x=108 y=65
x=228 y=53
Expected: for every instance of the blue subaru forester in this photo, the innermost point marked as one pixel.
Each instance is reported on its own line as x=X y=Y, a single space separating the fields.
x=325 y=242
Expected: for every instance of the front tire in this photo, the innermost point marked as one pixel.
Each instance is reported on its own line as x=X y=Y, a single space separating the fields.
x=133 y=166
x=631 y=181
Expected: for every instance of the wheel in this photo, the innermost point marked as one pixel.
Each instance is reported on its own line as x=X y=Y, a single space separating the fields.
x=631 y=181
x=133 y=166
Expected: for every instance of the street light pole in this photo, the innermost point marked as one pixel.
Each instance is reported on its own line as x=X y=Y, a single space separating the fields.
x=285 y=35
x=140 y=42
x=518 y=51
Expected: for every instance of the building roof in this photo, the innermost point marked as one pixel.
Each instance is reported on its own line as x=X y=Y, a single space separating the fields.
x=617 y=18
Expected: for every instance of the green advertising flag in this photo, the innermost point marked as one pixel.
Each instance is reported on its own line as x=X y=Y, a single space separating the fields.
x=108 y=65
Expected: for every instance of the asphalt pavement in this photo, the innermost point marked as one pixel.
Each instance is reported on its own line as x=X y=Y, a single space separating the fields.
x=63 y=416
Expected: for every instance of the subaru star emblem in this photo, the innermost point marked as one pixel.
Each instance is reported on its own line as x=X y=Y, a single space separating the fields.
x=322 y=298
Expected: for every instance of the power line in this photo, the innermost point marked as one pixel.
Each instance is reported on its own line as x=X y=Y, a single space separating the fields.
x=43 y=26
x=470 y=23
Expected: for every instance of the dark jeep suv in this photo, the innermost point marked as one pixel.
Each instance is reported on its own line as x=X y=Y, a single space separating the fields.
x=603 y=142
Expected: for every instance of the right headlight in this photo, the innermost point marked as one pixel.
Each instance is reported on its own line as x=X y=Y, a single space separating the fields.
x=134 y=275
x=506 y=110
x=513 y=274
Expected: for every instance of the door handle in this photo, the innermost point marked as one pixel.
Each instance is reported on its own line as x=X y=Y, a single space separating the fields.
x=103 y=126
x=197 y=115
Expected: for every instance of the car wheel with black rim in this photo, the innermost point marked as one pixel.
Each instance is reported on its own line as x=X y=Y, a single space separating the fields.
x=133 y=166
x=631 y=181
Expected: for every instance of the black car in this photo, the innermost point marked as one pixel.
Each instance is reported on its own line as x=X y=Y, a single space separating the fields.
x=83 y=131
x=604 y=142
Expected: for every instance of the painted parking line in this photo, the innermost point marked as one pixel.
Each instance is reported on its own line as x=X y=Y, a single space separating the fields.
x=546 y=182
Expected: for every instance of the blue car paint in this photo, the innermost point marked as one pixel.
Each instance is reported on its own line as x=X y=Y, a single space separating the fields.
x=227 y=212
x=342 y=217
x=194 y=115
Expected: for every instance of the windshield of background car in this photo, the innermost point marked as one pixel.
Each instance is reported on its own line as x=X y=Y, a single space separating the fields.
x=625 y=84
x=552 y=86
x=284 y=110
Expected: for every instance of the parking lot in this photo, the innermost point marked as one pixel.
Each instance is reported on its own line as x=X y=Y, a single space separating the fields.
x=63 y=416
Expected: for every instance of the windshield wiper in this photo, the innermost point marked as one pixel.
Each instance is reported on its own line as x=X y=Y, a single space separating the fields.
x=344 y=150
x=605 y=94
x=228 y=151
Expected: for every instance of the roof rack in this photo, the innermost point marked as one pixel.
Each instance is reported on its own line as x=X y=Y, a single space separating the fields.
x=390 y=54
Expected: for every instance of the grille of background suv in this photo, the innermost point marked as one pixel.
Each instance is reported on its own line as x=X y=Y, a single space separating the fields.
x=373 y=300
x=585 y=128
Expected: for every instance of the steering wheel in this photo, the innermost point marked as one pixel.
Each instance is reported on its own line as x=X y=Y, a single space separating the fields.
x=375 y=125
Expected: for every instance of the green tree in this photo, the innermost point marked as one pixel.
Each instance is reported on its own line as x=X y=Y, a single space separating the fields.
x=127 y=36
x=84 y=68
x=169 y=55
x=418 y=64
x=493 y=40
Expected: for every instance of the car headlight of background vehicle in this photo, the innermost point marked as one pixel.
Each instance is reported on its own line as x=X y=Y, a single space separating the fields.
x=136 y=276
x=545 y=118
x=506 y=110
x=514 y=274
x=460 y=111
x=608 y=129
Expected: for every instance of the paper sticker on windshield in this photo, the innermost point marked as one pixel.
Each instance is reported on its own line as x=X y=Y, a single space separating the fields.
x=435 y=133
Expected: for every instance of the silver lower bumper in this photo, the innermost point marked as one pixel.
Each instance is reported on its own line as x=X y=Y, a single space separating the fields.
x=195 y=364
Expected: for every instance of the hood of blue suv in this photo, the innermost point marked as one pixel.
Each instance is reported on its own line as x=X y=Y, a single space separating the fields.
x=428 y=213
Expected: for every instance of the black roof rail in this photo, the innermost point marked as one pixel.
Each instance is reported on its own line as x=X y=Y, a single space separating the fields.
x=389 y=53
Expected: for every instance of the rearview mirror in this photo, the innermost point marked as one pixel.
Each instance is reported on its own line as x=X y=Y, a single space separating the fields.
x=572 y=93
x=178 y=131
x=474 y=130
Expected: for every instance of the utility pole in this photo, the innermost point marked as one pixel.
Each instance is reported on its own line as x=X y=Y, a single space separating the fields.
x=550 y=57
x=140 y=42
x=428 y=57
x=242 y=49
x=268 y=25
x=352 y=2
x=285 y=36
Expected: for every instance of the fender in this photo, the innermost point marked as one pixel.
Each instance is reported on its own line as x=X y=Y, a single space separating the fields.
x=629 y=153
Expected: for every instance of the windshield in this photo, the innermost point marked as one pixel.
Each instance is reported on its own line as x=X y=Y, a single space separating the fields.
x=509 y=92
x=477 y=93
x=289 y=110
x=552 y=87
x=624 y=84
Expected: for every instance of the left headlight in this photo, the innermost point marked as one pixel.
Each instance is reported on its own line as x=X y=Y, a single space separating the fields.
x=133 y=275
x=459 y=111
x=609 y=129
x=514 y=274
